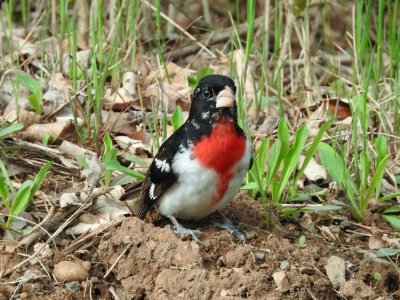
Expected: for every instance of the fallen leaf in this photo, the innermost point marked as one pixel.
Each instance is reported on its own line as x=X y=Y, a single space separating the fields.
x=63 y=130
x=314 y=171
x=340 y=108
x=118 y=122
x=245 y=75
x=119 y=100
x=336 y=269
x=135 y=147
x=376 y=241
x=129 y=83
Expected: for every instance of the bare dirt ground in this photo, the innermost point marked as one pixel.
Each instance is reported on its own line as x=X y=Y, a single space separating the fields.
x=141 y=260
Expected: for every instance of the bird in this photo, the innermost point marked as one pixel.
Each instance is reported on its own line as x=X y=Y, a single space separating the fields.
x=201 y=166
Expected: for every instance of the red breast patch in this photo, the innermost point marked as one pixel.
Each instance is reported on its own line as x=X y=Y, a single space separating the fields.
x=220 y=151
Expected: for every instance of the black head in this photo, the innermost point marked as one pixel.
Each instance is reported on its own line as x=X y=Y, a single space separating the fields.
x=214 y=96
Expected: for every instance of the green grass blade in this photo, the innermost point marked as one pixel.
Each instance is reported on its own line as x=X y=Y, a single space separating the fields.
x=40 y=177
x=35 y=99
x=10 y=129
x=6 y=176
x=274 y=161
x=116 y=166
x=335 y=166
x=365 y=164
x=313 y=148
x=393 y=220
x=381 y=148
x=292 y=158
x=21 y=201
x=4 y=192
x=390 y=196
x=377 y=178
x=283 y=135
x=177 y=118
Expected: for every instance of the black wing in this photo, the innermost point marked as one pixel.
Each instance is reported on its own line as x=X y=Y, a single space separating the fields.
x=160 y=175
x=159 y=178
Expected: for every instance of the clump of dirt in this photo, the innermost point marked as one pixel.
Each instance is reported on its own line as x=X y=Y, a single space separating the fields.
x=140 y=260
x=160 y=265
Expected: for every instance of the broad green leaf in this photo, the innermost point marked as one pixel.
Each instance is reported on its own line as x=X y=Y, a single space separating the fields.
x=335 y=166
x=6 y=176
x=20 y=202
x=107 y=142
x=299 y=197
x=192 y=81
x=262 y=153
x=390 y=196
x=393 y=220
x=177 y=118
x=10 y=129
x=109 y=152
x=381 y=148
x=274 y=161
x=22 y=198
x=82 y=162
x=292 y=158
x=135 y=160
x=377 y=178
x=386 y=252
x=46 y=138
x=392 y=209
x=39 y=178
x=116 y=166
x=332 y=162
x=250 y=186
x=275 y=191
x=35 y=99
x=362 y=111
x=283 y=135
x=124 y=180
x=203 y=72
x=4 y=192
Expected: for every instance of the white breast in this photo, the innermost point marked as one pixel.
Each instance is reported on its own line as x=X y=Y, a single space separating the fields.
x=191 y=196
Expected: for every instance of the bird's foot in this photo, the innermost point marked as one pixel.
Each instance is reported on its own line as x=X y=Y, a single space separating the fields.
x=179 y=229
x=195 y=234
x=228 y=225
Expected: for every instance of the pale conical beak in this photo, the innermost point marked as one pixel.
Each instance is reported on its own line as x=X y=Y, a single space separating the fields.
x=226 y=98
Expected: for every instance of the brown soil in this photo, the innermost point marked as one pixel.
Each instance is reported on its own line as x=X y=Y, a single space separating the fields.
x=146 y=261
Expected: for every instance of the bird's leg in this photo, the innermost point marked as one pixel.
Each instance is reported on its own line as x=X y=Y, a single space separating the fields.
x=228 y=225
x=179 y=229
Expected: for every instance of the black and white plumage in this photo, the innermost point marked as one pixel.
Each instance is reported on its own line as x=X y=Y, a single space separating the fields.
x=201 y=166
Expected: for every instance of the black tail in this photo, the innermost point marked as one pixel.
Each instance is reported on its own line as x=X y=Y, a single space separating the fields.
x=132 y=190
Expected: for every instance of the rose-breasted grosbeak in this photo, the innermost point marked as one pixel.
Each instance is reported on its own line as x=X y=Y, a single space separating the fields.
x=201 y=166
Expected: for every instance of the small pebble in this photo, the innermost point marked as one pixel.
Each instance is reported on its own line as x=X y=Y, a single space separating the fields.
x=73 y=286
x=24 y=295
x=336 y=269
x=66 y=271
x=281 y=281
x=285 y=265
x=250 y=234
x=259 y=256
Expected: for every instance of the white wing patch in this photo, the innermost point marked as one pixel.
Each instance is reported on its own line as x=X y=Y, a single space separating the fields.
x=205 y=115
x=163 y=165
x=195 y=124
x=151 y=191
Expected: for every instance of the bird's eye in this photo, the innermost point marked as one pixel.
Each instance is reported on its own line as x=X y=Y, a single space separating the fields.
x=207 y=93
